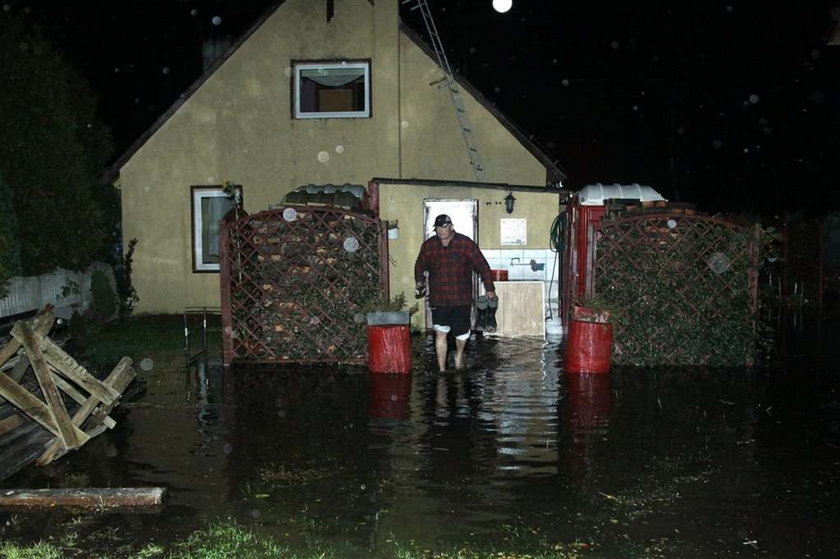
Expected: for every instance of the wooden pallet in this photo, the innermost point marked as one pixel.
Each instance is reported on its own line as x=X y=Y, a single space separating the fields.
x=63 y=386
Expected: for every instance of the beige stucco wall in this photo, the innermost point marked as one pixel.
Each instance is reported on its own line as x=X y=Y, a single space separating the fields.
x=237 y=127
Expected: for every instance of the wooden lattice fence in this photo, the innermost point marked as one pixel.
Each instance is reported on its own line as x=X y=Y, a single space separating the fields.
x=686 y=286
x=296 y=282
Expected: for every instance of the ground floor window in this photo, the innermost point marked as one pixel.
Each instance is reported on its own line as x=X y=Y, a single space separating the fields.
x=209 y=205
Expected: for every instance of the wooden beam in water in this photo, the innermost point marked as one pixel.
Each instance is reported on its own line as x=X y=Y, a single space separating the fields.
x=93 y=498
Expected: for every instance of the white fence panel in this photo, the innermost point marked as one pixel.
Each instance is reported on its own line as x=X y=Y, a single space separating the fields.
x=66 y=290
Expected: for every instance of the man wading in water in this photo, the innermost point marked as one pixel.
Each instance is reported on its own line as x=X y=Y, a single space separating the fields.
x=450 y=258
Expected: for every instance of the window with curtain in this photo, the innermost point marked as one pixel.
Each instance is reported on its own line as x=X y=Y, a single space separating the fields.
x=332 y=89
x=209 y=206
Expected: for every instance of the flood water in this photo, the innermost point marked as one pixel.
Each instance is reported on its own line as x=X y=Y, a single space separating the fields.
x=508 y=454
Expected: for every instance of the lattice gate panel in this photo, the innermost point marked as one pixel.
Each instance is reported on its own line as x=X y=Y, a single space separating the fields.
x=296 y=282
x=687 y=285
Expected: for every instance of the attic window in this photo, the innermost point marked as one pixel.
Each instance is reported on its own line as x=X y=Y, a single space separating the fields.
x=332 y=90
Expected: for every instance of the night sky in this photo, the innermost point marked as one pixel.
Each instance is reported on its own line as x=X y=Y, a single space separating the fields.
x=731 y=105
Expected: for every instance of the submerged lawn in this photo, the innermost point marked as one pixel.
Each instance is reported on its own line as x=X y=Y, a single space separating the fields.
x=512 y=458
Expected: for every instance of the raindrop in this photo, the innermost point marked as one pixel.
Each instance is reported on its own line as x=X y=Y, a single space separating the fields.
x=643 y=93
x=314 y=321
x=717 y=144
x=817 y=97
x=359 y=318
x=339 y=149
x=193 y=12
x=565 y=83
x=404 y=124
x=746 y=150
x=718 y=262
x=228 y=448
x=815 y=54
x=550 y=145
x=763 y=121
x=635 y=107
x=472 y=50
x=554 y=61
x=323 y=156
x=753 y=98
x=730 y=9
x=351 y=244
x=23 y=47
x=497 y=89
x=117 y=70
x=216 y=20
x=290 y=214
x=136 y=100
x=255 y=513
x=680 y=130
x=671 y=223
x=7 y=7
x=147 y=364
x=165 y=70
x=614 y=45
x=362 y=487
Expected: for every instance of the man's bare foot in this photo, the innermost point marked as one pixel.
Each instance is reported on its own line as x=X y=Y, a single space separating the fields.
x=459 y=363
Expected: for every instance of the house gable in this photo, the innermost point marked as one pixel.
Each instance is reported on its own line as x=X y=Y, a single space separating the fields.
x=236 y=124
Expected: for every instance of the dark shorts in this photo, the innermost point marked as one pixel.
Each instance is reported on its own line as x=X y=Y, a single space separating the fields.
x=456 y=318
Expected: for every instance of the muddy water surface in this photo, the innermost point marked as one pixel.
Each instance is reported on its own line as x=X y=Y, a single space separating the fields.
x=510 y=453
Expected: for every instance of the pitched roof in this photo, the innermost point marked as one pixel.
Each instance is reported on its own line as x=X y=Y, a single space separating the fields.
x=554 y=172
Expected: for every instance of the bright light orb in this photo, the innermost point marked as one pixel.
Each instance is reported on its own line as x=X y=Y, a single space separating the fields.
x=502 y=6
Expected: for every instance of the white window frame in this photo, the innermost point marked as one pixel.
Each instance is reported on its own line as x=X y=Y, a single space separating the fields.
x=301 y=66
x=197 y=194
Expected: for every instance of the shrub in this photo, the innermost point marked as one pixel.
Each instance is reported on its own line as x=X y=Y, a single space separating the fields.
x=103 y=304
x=126 y=294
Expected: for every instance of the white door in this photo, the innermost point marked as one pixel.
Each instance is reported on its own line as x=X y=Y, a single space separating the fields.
x=464 y=215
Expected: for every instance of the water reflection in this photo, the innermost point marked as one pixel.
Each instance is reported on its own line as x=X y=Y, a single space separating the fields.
x=588 y=407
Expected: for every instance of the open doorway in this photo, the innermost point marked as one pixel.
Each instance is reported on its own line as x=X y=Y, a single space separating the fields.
x=464 y=215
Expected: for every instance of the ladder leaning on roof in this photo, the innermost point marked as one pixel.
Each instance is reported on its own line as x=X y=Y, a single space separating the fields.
x=452 y=87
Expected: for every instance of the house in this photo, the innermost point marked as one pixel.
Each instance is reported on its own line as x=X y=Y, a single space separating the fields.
x=331 y=92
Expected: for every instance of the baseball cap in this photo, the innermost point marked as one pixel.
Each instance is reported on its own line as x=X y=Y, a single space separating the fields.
x=442 y=220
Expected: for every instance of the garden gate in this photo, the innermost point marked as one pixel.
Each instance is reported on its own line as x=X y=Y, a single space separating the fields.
x=296 y=284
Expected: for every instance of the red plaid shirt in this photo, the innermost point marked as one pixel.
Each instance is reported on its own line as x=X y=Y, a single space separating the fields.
x=450 y=270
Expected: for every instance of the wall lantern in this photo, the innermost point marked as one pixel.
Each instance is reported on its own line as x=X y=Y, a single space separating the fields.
x=509 y=201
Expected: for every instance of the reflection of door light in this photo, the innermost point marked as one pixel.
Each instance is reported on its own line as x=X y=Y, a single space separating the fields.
x=509 y=201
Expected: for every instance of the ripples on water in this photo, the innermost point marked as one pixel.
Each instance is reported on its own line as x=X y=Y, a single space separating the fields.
x=721 y=462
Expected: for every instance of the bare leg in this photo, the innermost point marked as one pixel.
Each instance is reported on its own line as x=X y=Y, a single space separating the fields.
x=441 y=346
x=459 y=353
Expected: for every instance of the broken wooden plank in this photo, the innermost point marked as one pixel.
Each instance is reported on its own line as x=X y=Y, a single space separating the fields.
x=10 y=422
x=95 y=498
x=67 y=366
x=48 y=388
x=42 y=323
x=79 y=398
x=27 y=403
x=119 y=379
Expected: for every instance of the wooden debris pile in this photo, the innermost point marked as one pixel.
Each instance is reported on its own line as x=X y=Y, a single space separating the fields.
x=57 y=405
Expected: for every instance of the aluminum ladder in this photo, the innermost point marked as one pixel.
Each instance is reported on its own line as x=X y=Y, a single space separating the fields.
x=452 y=87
